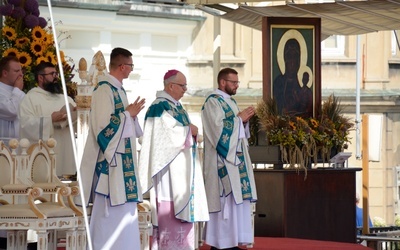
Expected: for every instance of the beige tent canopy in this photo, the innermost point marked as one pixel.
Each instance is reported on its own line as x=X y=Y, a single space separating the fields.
x=337 y=18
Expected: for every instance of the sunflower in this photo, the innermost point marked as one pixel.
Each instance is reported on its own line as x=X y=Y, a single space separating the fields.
x=48 y=39
x=38 y=33
x=51 y=57
x=10 y=33
x=21 y=42
x=25 y=59
x=37 y=48
x=62 y=55
x=314 y=123
x=292 y=125
x=11 y=52
x=41 y=59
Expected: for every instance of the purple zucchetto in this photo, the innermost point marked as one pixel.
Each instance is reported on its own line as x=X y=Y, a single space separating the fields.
x=170 y=73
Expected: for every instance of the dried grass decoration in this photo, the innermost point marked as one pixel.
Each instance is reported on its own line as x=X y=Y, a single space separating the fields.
x=302 y=139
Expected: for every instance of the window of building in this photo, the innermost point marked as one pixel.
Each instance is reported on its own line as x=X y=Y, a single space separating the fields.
x=333 y=46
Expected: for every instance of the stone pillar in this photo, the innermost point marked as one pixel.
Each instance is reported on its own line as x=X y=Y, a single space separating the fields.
x=83 y=100
x=42 y=242
x=71 y=240
x=89 y=80
x=81 y=234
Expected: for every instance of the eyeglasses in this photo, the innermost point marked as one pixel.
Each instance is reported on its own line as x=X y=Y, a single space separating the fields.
x=54 y=74
x=184 y=86
x=129 y=64
x=234 y=82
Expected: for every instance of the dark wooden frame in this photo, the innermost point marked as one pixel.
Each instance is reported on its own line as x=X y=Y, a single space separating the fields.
x=269 y=27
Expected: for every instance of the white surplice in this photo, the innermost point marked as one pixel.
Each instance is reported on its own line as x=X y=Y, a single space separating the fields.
x=115 y=227
x=36 y=123
x=230 y=211
x=112 y=216
x=169 y=163
x=10 y=99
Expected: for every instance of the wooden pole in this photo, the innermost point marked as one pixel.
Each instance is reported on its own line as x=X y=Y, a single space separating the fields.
x=365 y=173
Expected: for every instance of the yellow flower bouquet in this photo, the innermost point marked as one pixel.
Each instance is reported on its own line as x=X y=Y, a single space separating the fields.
x=302 y=139
x=26 y=36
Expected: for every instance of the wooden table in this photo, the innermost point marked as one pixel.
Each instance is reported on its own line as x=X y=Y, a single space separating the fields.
x=319 y=204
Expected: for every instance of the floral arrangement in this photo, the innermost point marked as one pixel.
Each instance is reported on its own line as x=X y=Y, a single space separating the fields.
x=378 y=222
x=25 y=35
x=302 y=139
x=397 y=220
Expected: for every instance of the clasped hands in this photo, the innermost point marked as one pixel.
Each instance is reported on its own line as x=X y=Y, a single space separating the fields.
x=246 y=114
x=135 y=108
x=61 y=115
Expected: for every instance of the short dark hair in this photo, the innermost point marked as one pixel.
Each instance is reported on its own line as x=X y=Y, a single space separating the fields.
x=5 y=63
x=117 y=54
x=223 y=73
x=41 y=67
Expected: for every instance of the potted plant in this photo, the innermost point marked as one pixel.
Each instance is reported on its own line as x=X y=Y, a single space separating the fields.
x=304 y=140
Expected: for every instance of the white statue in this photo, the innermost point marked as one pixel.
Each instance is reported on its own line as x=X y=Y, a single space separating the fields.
x=82 y=70
x=97 y=68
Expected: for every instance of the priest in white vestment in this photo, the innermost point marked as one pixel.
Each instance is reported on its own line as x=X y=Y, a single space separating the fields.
x=108 y=170
x=11 y=95
x=170 y=167
x=228 y=172
x=43 y=115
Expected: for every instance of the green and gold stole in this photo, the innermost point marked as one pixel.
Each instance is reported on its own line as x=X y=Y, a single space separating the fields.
x=224 y=145
x=104 y=138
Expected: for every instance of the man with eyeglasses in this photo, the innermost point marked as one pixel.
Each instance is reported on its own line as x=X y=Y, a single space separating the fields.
x=228 y=172
x=169 y=167
x=43 y=116
x=109 y=170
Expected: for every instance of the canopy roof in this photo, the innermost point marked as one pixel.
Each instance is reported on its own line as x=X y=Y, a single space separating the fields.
x=338 y=18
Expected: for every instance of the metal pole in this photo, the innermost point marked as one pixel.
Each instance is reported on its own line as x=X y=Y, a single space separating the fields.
x=217 y=50
x=358 y=83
